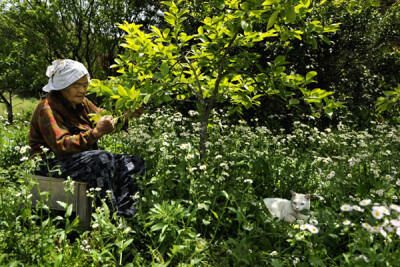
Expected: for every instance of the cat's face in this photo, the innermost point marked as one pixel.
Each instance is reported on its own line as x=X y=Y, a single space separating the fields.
x=300 y=201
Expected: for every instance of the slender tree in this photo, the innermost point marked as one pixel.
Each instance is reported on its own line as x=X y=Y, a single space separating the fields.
x=215 y=63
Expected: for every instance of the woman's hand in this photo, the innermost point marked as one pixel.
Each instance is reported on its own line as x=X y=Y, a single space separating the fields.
x=104 y=126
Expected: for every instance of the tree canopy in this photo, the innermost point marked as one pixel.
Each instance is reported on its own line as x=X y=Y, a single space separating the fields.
x=357 y=59
x=217 y=61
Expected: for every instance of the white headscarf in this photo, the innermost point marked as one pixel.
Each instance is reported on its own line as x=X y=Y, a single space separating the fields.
x=63 y=73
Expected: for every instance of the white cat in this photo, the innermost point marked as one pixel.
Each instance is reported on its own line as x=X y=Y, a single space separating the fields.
x=289 y=210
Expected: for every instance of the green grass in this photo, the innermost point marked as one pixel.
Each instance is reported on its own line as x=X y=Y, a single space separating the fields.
x=20 y=105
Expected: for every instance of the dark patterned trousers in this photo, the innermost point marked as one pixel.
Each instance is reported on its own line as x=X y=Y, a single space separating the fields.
x=110 y=176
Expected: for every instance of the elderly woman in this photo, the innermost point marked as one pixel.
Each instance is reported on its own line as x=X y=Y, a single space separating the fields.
x=61 y=124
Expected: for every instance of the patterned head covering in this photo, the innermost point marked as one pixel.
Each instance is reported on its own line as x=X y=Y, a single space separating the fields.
x=63 y=73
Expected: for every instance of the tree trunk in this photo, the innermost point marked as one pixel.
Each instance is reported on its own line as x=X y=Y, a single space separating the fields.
x=8 y=103
x=10 y=110
x=203 y=133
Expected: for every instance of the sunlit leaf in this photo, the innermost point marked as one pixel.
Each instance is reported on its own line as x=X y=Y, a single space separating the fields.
x=270 y=2
x=310 y=75
x=290 y=13
x=220 y=4
x=272 y=19
x=122 y=91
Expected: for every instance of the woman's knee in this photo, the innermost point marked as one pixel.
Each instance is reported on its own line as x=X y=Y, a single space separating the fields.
x=100 y=156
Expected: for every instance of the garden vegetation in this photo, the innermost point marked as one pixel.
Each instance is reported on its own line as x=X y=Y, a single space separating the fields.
x=211 y=213
x=244 y=100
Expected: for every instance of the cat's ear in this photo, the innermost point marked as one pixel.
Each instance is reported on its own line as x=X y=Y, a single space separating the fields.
x=308 y=196
x=293 y=193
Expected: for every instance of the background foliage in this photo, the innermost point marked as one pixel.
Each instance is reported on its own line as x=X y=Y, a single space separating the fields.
x=209 y=212
x=357 y=63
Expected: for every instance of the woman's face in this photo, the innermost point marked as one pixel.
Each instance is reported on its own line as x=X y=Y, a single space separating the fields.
x=76 y=91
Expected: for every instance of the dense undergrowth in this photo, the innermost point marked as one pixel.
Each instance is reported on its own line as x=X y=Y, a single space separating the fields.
x=196 y=213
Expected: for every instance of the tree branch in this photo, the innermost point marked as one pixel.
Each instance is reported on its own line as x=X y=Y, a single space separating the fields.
x=200 y=93
x=221 y=74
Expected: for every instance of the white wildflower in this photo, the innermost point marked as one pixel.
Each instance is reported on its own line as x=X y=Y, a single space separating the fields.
x=346 y=207
x=346 y=222
x=312 y=228
x=184 y=146
x=365 y=202
x=357 y=208
x=331 y=175
x=366 y=225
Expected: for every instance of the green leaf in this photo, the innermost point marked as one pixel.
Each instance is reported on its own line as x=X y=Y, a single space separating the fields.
x=277 y=263
x=310 y=75
x=270 y=2
x=164 y=69
x=58 y=218
x=62 y=204
x=220 y=4
x=322 y=2
x=126 y=244
x=146 y=98
x=328 y=112
x=246 y=26
x=170 y=19
x=58 y=260
x=313 y=42
x=157 y=227
x=158 y=76
x=290 y=13
x=306 y=3
x=164 y=228
x=272 y=19
x=132 y=92
x=45 y=223
x=120 y=103
x=245 y=6
x=280 y=60
x=166 y=32
x=69 y=210
x=122 y=91
x=215 y=214
x=105 y=90
x=156 y=30
x=165 y=98
x=325 y=39
x=205 y=222
x=332 y=28
x=375 y=3
x=294 y=101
